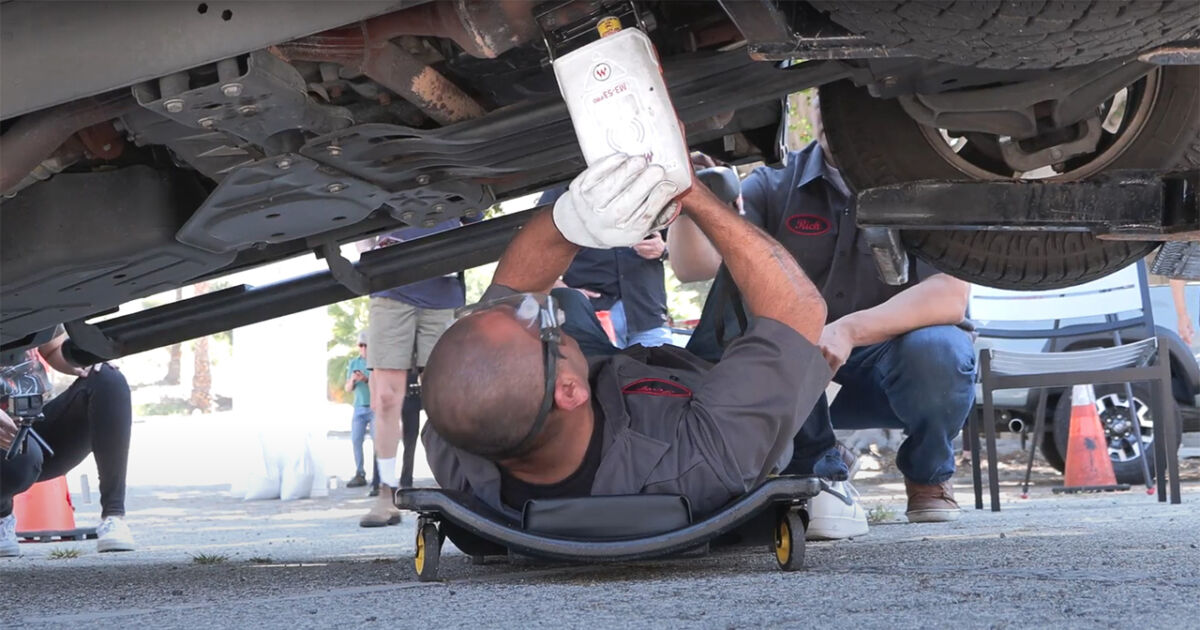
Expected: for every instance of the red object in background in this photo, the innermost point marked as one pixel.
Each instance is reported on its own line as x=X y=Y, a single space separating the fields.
x=606 y=324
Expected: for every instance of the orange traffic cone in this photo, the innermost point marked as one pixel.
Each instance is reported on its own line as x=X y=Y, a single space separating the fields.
x=44 y=512
x=1088 y=467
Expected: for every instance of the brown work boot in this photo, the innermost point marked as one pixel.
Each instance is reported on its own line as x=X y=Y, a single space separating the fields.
x=383 y=512
x=931 y=503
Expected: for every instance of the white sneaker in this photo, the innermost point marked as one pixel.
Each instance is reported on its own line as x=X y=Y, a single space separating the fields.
x=829 y=518
x=114 y=535
x=10 y=547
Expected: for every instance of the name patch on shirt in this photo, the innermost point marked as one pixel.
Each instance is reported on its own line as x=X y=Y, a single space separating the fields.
x=657 y=387
x=808 y=224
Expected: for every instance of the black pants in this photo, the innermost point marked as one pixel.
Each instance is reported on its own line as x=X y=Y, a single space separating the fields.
x=92 y=416
x=410 y=420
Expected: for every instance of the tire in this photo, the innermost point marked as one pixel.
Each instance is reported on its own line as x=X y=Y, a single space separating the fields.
x=876 y=143
x=1128 y=470
x=788 y=541
x=428 y=553
x=1007 y=35
x=1050 y=451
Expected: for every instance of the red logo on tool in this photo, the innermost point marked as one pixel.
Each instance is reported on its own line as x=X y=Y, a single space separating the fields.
x=808 y=224
x=657 y=387
x=601 y=72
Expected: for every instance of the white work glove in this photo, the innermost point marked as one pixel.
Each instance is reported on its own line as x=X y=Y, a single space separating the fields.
x=616 y=202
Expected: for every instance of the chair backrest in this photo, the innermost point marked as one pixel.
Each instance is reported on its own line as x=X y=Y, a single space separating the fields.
x=1004 y=313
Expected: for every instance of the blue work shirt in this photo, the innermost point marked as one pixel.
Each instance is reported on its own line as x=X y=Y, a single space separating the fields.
x=809 y=209
x=441 y=292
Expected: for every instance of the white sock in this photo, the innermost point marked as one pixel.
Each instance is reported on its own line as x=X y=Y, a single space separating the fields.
x=387 y=471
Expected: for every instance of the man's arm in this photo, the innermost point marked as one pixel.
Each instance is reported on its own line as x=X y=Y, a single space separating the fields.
x=693 y=257
x=771 y=283
x=937 y=300
x=536 y=258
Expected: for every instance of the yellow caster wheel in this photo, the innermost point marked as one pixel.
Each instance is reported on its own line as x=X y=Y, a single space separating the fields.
x=789 y=541
x=429 y=551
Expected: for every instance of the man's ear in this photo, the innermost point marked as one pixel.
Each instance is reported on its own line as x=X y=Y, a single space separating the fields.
x=570 y=391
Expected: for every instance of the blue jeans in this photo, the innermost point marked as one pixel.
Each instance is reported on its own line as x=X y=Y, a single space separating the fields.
x=363 y=416
x=651 y=338
x=922 y=382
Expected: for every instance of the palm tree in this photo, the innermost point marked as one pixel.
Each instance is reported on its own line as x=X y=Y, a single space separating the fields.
x=201 y=397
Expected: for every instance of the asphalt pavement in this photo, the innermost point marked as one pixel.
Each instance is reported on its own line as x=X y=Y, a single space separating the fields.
x=210 y=560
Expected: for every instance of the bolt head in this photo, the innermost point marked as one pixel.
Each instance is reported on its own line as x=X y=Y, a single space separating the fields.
x=439 y=207
x=248 y=110
x=207 y=123
x=429 y=223
x=283 y=164
x=471 y=213
x=231 y=90
x=335 y=187
x=334 y=150
x=174 y=105
x=422 y=179
x=1056 y=153
x=407 y=217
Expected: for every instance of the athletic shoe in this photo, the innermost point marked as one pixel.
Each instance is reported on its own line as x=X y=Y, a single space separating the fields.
x=10 y=547
x=931 y=503
x=829 y=518
x=383 y=512
x=358 y=481
x=374 y=491
x=114 y=535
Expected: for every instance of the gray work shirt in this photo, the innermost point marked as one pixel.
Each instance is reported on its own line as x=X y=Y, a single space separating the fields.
x=809 y=209
x=675 y=424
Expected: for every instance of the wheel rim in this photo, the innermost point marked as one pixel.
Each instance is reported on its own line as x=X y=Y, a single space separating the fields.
x=419 y=557
x=1121 y=124
x=783 y=541
x=1123 y=445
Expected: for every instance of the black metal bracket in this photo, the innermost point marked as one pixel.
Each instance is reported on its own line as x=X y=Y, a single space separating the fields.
x=343 y=270
x=890 y=255
x=88 y=345
x=795 y=30
x=1134 y=205
x=242 y=305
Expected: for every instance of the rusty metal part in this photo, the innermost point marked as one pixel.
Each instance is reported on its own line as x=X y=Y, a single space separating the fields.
x=103 y=141
x=66 y=155
x=481 y=28
x=421 y=85
x=37 y=136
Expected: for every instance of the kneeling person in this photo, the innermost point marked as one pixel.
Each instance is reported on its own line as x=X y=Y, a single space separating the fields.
x=516 y=412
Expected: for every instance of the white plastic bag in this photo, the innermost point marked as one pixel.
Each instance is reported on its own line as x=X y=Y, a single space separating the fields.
x=263 y=481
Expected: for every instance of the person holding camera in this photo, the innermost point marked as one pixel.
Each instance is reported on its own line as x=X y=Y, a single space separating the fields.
x=94 y=415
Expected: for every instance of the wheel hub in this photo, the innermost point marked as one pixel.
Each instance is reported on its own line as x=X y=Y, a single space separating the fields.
x=1117 y=421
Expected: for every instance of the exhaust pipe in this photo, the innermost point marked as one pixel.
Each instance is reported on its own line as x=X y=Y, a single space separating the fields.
x=1016 y=425
x=35 y=137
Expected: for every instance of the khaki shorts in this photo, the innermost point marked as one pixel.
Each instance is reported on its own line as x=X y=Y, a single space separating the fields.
x=394 y=328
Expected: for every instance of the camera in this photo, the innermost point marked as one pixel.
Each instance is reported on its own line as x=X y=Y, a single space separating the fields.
x=25 y=405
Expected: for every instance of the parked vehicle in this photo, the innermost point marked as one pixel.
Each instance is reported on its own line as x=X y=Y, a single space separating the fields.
x=148 y=145
x=1016 y=407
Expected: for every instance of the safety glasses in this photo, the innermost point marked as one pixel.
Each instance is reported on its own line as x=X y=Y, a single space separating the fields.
x=539 y=314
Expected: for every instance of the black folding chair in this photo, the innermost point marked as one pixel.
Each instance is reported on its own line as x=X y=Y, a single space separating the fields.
x=1113 y=297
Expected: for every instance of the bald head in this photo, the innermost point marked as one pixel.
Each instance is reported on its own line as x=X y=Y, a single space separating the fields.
x=484 y=383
